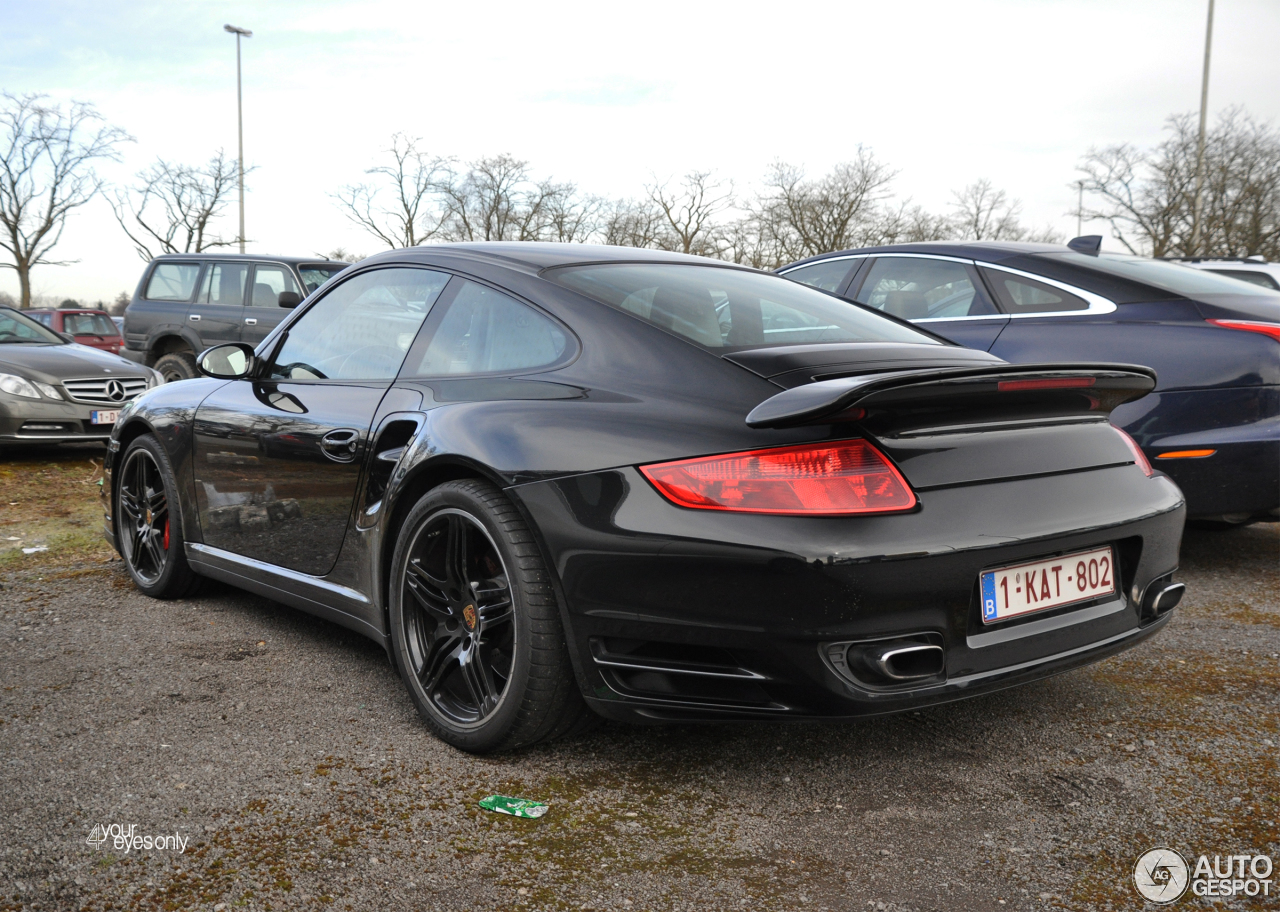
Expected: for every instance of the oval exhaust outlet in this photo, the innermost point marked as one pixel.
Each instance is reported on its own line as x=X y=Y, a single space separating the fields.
x=908 y=662
x=1166 y=598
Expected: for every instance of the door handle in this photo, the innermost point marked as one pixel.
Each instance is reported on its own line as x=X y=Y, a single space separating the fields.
x=341 y=445
x=251 y=321
x=194 y=318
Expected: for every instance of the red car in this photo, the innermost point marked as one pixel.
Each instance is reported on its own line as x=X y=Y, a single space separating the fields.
x=94 y=328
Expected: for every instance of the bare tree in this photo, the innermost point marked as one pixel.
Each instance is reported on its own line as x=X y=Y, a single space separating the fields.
x=1144 y=213
x=570 y=218
x=170 y=208
x=342 y=255
x=690 y=211
x=908 y=223
x=631 y=223
x=46 y=171
x=496 y=199
x=412 y=217
x=799 y=217
x=984 y=213
x=1148 y=196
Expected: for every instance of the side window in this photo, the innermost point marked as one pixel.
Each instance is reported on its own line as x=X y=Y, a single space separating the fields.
x=484 y=331
x=224 y=284
x=827 y=274
x=268 y=282
x=46 y=319
x=921 y=289
x=361 y=329
x=1018 y=294
x=172 y=282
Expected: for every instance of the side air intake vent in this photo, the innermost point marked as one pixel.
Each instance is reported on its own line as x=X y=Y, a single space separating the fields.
x=680 y=673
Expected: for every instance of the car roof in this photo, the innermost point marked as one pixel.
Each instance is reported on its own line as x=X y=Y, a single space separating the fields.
x=66 y=310
x=534 y=256
x=205 y=256
x=990 y=251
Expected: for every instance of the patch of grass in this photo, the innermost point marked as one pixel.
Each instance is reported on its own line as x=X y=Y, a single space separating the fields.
x=49 y=498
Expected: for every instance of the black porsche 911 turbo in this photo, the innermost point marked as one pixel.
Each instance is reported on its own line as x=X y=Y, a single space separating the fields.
x=556 y=481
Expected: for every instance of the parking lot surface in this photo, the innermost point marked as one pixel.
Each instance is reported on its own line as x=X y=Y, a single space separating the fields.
x=280 y=763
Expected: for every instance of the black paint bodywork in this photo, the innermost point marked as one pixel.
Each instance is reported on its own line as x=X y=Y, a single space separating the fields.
x=669 y=612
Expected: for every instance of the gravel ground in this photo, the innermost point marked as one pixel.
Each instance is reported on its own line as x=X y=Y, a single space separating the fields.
x=285 y=756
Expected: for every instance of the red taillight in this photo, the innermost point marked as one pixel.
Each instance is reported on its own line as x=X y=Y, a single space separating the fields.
x=1253 y=326
x=1138 y=456
x=1008 y=386
x=849 y=476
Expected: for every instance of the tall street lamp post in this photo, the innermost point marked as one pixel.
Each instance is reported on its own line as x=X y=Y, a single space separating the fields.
x=238 y=32
x=1198 y=211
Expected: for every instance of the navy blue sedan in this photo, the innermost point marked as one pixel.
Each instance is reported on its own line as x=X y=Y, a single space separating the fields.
x=1213 y=423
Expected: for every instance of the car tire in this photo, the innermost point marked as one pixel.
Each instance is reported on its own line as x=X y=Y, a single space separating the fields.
x=475 y=624
x=148 y=522
x=177 y=366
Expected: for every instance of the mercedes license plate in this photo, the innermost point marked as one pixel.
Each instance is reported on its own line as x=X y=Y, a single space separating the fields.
x=104 y=417
x=1040 y=585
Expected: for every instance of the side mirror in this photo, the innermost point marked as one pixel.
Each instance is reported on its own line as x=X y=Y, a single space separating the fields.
x=67 y=336
x=230 y=361
x=289 y=299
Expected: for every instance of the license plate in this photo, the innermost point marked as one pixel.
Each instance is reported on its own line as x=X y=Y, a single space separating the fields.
x=104 y=417
x=1040 y=585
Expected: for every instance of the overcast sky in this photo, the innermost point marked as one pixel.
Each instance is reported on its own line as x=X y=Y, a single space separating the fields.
x=610 y=95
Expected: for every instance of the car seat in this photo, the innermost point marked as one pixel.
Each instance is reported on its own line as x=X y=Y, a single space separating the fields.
x=909 y=305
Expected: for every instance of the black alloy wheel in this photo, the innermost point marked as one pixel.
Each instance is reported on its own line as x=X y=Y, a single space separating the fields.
x=148 y=523
x=475 y=624
x=458 y=618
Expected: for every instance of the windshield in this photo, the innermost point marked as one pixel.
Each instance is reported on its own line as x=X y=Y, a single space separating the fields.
x=15 y=328
x=88 y=324
x=316 y=274
x=1179 y=279
x=724 y=308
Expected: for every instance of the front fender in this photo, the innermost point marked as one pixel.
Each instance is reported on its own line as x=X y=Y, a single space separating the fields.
x=168 y=412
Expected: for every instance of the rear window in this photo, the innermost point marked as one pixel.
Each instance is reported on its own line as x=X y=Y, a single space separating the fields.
x=316 y=274
x=172 y=282
x=724 y=308
x=88 y=325
x=1261 y=279
x=1174 y=277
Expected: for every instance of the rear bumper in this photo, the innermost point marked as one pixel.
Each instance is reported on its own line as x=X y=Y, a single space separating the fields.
x=676 y=614
x=1241 y=426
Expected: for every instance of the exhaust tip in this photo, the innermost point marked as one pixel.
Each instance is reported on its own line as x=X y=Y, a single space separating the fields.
x=907 y=662
x=891 y=662
x=1167 y=597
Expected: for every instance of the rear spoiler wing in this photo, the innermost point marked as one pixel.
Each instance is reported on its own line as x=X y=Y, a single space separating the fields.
x=1108 y=385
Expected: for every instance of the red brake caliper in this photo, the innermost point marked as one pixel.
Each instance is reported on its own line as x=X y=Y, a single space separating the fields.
x=166 y=534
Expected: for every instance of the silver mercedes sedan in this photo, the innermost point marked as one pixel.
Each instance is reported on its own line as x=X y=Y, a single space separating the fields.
x=54 y=391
